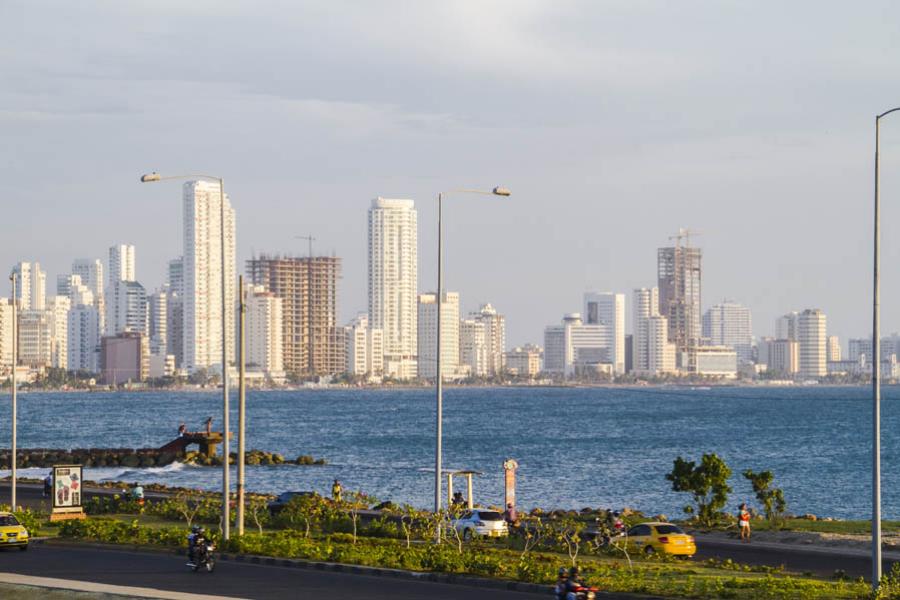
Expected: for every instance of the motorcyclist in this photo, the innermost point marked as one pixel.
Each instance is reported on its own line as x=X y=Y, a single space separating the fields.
x=137 y=492
x=573 y=585
x=560 y=589
x=197 y=535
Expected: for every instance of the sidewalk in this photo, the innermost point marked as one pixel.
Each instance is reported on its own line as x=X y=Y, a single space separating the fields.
x=101 y=590
x=719 y=542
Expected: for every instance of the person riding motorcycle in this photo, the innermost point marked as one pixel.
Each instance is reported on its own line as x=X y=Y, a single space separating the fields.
x=573 y=585
x=561 y=580
x=196 y=536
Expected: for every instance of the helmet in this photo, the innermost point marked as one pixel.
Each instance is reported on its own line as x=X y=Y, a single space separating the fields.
x=563 y=572
x=573 y=571
x=196 y=529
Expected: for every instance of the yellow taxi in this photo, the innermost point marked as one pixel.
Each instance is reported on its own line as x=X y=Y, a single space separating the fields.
x=664 y=538
x=12 y=534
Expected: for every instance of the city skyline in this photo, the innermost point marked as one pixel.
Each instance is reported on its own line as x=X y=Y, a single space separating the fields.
x=711 y=156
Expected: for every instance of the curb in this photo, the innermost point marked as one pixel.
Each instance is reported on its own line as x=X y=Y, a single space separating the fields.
x=296 y=563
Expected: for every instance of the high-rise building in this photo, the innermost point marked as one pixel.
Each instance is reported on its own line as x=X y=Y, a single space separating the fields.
x=473 y=348
x=524 y=361
x=364 y=348
x=90 y=270
x=6 y=332
x=833 y=348
x=678 y=270
x=494 y=338
x=574 y=347
x=175 y=275
x=781 y=357
x=264 y=330
x=84 y=338
x=35 y=338
x=157 y=320
x=126 y=307
x=660 y=351
x=58 y=307
x=811 y=328
x=427 y=322
x=608 y=309
x=203 y=267
x=787 y=327
x=729 y=324
x=644 y=304
x=31 y=286
x=308 y=291
x=124 y=358
x=71 y=286
x=393 y=282
x=121 y=264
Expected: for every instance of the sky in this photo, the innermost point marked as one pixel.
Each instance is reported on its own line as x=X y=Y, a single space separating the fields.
x=613 y=123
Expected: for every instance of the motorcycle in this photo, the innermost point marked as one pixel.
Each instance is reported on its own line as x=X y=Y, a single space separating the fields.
x=585 y=593
x=203 y=556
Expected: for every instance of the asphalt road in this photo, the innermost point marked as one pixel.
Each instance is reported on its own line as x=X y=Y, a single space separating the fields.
x=31 y=494
x=168 y=572
x=800 y=560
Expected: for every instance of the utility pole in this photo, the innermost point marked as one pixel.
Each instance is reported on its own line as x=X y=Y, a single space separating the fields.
x=15 y=363
x=242 y=405
x=310 y=363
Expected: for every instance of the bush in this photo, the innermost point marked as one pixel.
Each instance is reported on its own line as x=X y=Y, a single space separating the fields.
x=29 y=519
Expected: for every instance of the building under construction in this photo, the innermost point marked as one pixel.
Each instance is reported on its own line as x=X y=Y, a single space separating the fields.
x=307 y=287
x=678 y=270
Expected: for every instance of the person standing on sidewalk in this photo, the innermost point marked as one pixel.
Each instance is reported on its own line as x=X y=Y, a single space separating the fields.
x=336 y=490
x=744 y=522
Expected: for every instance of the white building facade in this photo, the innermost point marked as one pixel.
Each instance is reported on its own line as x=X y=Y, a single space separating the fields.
x=393 y=282
x=31 y=286
x=811 y=332
x=730 y=324
x=427 y=342
x=364 y=349
x=608 y=308
x=83 y=343
x=121 y=264
x=264 y=331
x=573 y=347
x=202 y=276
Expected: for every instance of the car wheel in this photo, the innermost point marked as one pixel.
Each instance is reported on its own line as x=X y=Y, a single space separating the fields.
x=467 y=535
x=649 y=550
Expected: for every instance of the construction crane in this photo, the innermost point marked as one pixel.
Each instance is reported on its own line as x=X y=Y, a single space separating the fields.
x=683 y=234
x=308 y=238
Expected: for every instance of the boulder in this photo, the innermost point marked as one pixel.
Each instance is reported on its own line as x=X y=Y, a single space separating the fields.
x=130 y=460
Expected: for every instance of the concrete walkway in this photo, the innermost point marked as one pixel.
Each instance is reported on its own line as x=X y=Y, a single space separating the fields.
x=115 y=591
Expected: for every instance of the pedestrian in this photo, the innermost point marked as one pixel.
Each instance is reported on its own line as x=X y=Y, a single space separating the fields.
x=744 y=523
x=182 y=430
x=48 y=485
x=511 y=515
x=209 y=427
x=336 y=490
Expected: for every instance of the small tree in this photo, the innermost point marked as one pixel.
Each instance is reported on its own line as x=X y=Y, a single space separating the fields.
x=771 y=498
x=533 y=531
x=409 y=518
x=353 y=503
x=257 y=507
x=567 y=533
x=309 y=510
x=187 y=505
x=706 y=482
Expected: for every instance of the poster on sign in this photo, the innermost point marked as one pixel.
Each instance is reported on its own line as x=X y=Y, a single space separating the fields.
x=67 y=488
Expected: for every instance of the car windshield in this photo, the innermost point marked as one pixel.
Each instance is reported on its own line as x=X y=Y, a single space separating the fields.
x=490 y=516
x=7 y=521
x=668 y=529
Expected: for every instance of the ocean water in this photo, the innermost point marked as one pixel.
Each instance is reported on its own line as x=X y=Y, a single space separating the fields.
x=576 y=447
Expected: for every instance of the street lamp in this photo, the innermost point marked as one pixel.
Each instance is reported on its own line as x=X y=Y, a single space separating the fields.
x=876 y=377
x=497 y=191
x=15 y=363
x=226 y=484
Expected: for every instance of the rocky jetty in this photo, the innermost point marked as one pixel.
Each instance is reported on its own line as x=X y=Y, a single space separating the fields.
x=137 y=458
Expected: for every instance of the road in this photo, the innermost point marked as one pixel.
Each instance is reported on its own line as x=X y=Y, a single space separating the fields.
x=167 y=572
x=31 y=494
x=800 y=559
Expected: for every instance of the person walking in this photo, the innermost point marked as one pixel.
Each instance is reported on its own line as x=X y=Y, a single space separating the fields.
x=336 y=490
x=744 y=522
x=209 y=427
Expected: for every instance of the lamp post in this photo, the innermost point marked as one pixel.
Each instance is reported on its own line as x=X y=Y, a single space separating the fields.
x=876 y=376
x=226 y=484
x=497 y=191
x=15 y=363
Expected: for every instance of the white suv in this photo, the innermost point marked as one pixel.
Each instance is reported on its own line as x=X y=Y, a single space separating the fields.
x=488 y=523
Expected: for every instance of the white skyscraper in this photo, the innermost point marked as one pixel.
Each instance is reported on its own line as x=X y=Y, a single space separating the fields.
x=264 y=330
x=126 y=308
x=84 y=339
x=157 y=320
x=660 y=351
x=31 y=286
x=608 y=309
x=494 y=338
x=786 y=327
x=393 y=282
x=575 y=346
x=58 y=307
x=833 y=349
x=121 y=263
x=427 y=320
x=364 y=349
x=203 y=276
x=473 y=347
x=644 y=304
x=91 y=273
x=729 y=324
x=6 y=332
x=811 y=329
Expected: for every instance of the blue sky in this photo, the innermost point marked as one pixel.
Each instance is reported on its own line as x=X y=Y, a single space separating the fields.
x=614 y=124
